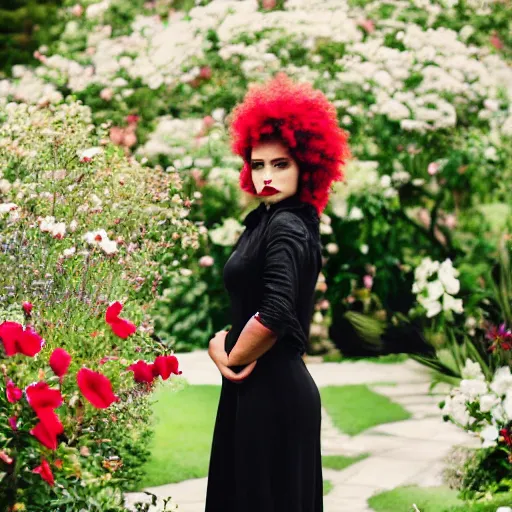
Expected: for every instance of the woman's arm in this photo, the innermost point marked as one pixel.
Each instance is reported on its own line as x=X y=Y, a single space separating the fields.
x=254 y=340
x=286 y=253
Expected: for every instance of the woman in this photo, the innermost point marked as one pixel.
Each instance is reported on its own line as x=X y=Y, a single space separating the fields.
x=266 y=445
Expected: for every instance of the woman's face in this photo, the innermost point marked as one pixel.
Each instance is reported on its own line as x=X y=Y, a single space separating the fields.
x=273 y=166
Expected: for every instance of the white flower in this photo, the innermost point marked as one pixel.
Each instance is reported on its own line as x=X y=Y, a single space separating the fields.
x=502 y=381
x=456 y=408
x=473 y=388
x=488 y=401
x=94 y=237
x=434 y=290
x=433 y=307
x=472 y=370
x=447 y=276
x=355 y=213
x=449 y=303
x=489 y=436
x=108 y=246
x=332 y=248
x=69 y=252
x=507 y=404
x=89 y=153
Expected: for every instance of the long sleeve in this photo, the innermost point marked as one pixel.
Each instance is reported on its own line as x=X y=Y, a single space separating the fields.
x=286 y=253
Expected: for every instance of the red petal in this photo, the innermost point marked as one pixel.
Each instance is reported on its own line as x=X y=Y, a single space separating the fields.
x=60 y=361
x=165 y=365
x=13 y=393
x=10 y=332
x=123 y=328
x=40 y=395
x=45 y=471
x=96 y=388
x=113 y=312
x=142 y=371
x=46 y=437
x=30 y=343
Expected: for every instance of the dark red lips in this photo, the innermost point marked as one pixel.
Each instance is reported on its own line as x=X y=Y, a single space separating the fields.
x=268 y=191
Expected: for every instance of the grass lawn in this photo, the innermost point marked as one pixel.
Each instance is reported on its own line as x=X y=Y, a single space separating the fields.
x=337 y=357
x=184 y=421
x=327 y=487
x=356 y=408
x=183 y=434
x=340 y=462
x=431 y=499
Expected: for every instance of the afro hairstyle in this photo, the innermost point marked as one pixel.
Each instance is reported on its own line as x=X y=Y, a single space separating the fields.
x=304 y=120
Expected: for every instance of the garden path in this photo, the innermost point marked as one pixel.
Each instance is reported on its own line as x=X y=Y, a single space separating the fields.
x=400 y=453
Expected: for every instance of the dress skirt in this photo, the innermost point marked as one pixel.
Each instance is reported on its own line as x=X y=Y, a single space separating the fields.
x=266 y=454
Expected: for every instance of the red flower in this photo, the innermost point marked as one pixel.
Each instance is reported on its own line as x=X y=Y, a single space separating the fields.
x=142 y=371
x=121 y=327
x=27 y=307
x=165 y=365
x=58 y=463
x=45 y=471
x=16 y=340
x=96 y=388
x=48 y=428
x=41 y=396
x=60 y=361
x=13 y=393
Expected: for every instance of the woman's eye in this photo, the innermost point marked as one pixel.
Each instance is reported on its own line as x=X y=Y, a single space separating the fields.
x=256 y=166
x=282 y=165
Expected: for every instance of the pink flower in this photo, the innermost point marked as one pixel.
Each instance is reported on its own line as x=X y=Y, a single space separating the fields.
x=268 y=5
x=496 y=41
x=205 y=72
x=206 y=261
x=14 y=394
x=96 y=388
x=106 y=94
x=5 y=457
x=367 y=25
x=77 y=10
x=121 y=327
x=433 y=168
x=60 y=361
x=368 y=281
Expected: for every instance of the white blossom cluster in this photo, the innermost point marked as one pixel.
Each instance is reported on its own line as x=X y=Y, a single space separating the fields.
x=493 y=397
x=435 y=285
x=227 y=234
x=160 y=53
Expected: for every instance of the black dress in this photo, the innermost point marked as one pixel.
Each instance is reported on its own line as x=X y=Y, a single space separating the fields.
x=265 y=454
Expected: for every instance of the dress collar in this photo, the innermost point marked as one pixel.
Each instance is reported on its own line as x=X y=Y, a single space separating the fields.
x=288 y=203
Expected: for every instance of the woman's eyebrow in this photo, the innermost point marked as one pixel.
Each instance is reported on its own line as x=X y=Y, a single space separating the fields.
x=271 y=161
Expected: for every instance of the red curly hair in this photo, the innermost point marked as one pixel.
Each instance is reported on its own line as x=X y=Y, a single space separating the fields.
x=305 y=121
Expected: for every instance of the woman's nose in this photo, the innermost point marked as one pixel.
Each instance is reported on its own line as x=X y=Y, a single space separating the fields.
x=267 y=182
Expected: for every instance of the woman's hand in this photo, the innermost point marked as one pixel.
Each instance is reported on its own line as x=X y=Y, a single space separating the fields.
x=219 y=356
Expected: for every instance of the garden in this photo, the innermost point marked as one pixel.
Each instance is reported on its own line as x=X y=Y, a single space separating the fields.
x=120 y=204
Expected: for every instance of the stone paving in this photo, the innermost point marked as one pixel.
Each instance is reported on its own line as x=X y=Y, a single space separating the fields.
x=401 y=453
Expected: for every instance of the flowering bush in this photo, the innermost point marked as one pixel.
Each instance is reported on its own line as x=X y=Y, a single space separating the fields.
x=82 y=231
x=423 y=90
x=485 y=408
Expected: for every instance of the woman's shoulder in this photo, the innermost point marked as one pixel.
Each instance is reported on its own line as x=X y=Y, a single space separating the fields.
x=288 y=223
